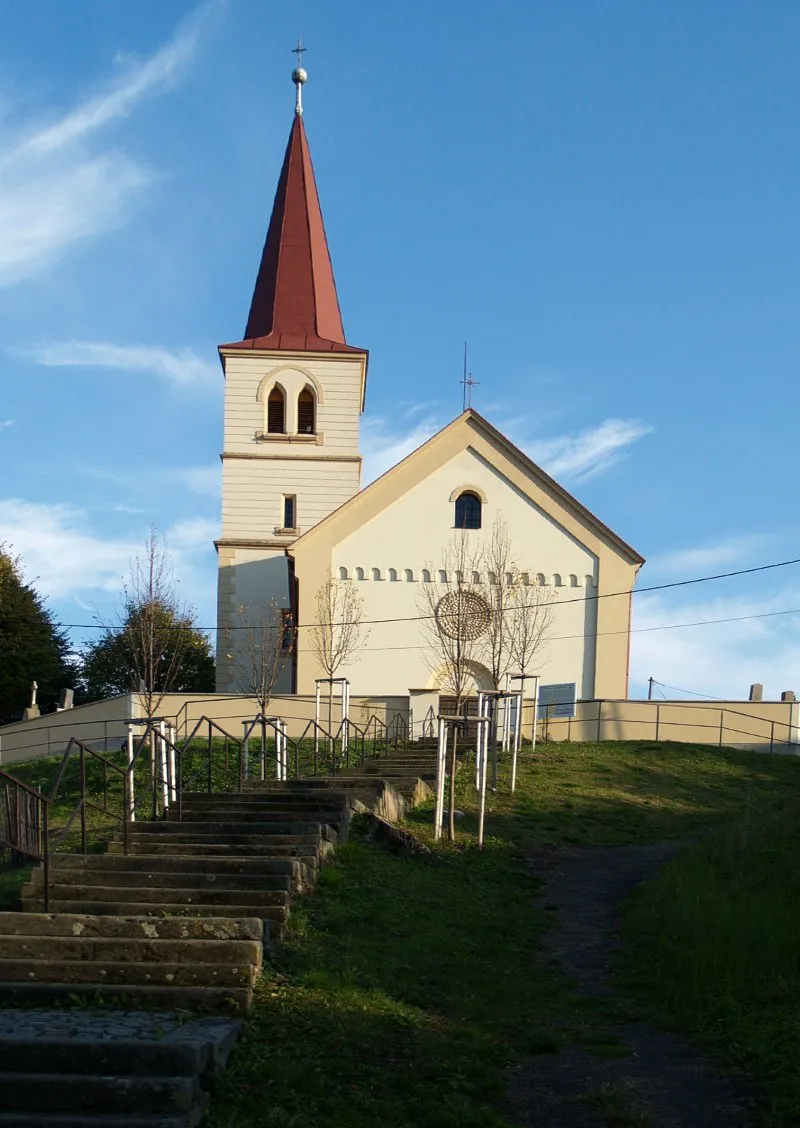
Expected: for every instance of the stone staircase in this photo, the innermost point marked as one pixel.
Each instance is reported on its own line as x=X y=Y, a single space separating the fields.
x=177 y=922
x=76 y=1069
x=181 y=918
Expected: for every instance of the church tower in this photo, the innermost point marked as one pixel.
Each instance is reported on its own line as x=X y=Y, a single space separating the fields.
x=294 y=393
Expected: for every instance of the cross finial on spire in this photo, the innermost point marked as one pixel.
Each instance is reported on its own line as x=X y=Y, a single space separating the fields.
x=299 y=75
x=468 y=384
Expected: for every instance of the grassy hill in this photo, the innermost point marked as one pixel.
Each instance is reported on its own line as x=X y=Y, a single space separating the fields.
x=408 y=985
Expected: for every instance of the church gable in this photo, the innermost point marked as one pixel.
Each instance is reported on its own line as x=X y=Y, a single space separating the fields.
x=479 y=458
x=391 y=539
x=414 y=529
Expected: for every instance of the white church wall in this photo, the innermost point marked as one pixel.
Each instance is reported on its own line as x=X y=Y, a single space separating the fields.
x=414 y=532
x=318 y=471
x=253 y=490
x=255 y=579
x=337 y=380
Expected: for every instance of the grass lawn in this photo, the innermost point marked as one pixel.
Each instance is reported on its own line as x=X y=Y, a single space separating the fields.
x=712 y=950
x=409 y=985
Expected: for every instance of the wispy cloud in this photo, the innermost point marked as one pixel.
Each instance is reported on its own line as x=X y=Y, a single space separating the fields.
x=59 y=551
x=57 y=187
x=566 y=457
x=6 y=423
x=69 y=560
x=182 y=367
x=590 y=452
x=723 y=658
x=716 y=554
x=383 y=445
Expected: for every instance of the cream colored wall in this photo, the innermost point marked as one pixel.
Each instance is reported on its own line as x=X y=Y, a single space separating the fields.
x=230 y=710
x=102 y=724
x=617 y=564
x=253 y=490
x=738 y=724
x=414 y=532
x=321 y=472
x=337 y=378
x=256 y=580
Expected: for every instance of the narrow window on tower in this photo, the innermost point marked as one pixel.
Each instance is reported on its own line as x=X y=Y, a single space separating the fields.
x=289 y=512
x=276 y=412
x=287 y=629
x=306 y=423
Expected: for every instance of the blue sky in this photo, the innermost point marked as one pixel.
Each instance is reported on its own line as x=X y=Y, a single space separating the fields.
x=601 y=197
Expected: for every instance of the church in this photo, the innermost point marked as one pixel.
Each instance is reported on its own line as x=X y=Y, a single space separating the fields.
x=295 y=517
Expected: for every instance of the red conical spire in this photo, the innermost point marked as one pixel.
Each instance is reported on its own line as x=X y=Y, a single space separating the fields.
x=295 y=306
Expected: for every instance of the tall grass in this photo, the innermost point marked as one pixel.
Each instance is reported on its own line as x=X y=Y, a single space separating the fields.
x=713 y=946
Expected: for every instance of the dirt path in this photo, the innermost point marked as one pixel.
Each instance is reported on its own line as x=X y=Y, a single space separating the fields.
x=661 y=1082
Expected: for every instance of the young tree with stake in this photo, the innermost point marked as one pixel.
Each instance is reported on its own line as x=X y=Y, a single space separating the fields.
x=338 y=631
x=454 y=620
x=530 y=620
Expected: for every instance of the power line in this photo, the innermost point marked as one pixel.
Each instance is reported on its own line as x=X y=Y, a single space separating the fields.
x=634 y=630
x=694 y=692
x=561 y=603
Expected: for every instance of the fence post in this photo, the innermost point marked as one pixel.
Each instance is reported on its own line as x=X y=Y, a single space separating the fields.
x=599 y=721
x=129 y=795
x=721 y=725
x=210 y=777
x=772 y=736
x=83 y=799
x=658 y=720
x=45 y=851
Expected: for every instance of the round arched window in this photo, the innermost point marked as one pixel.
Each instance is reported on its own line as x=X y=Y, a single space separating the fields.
x=468 y=511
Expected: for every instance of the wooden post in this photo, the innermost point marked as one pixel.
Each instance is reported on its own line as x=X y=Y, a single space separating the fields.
x=721 y=725
x=658 y=720
x=599 y=720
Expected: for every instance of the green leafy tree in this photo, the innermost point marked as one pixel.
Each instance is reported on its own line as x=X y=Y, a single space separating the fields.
x=183 y=663
x=155 y=647
x=32 y=645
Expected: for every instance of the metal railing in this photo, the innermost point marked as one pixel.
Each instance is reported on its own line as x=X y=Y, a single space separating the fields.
x=601 y=720
x=154 y=769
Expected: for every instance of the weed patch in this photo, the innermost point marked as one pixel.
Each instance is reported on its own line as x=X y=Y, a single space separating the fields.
x=711 y=948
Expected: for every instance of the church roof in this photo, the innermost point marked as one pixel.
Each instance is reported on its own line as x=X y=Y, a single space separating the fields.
x=406 y=473
x=295 y=306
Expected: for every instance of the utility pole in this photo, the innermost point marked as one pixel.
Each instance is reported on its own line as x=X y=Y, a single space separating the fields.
x=650 y=684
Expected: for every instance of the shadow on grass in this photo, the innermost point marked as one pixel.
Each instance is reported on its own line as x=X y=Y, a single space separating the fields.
x=406 y=987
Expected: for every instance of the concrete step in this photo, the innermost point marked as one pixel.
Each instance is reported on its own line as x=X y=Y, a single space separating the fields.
x=96 y=1120
x=144 y=927
x=308 y=853
x=128 y=974
x=183 y=833
x=219 y=866
x=218 y=999
x=227 y=829
x=77 y=901
x=127 y=879
x=269 y=796
x=64 y=1092
x=115 y=1042
x=426 y=762
x=156 y=897
x=131 y=950
x=309 y=787
x=262 y=816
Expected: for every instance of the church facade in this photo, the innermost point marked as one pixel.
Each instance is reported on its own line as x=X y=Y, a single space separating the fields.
x=295 y=518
